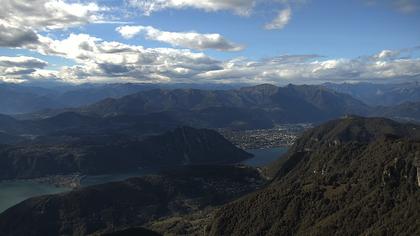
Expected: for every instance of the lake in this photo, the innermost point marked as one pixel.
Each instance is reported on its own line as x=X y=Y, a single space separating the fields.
x=13 y=192
x=263 y=157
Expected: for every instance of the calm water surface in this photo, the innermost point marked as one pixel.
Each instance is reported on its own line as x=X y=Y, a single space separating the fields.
x=13 y=192
x=263 y=157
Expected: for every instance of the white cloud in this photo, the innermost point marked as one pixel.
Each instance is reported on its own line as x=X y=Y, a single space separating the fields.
x=104 y=61
x=16 y=69
x=310 y=69
x=386 y=54
x=108 y=61
x=21 y=20
x=48 y=14
x=281 y=20
x=191 y=40
x=129 y=31
x=100 y=60
x=240 y=7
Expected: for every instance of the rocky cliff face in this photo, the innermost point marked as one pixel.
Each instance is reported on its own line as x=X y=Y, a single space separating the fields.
x=353 y=176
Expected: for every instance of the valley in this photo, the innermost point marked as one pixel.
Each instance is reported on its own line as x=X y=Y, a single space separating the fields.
x=323 y=166
x=209 y=118
x=180 y=165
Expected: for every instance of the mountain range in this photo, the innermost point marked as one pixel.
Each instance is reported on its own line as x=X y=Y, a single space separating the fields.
x=260 y=106
x=352 y=176
x=380 y=94
x=25 y=98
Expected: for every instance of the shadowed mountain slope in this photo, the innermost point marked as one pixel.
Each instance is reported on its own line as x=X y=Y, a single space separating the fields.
x=110 y=154
x=354 y=176
x=116 y=206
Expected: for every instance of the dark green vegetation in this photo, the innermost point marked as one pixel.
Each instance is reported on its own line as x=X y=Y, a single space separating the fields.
x=351 y=176
x=133 y=231
x=116 y=153
x=354 y=176
x=135 y=202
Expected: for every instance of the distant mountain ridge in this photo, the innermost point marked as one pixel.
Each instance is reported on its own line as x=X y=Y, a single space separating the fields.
x=158 y=110
x=259 y=106
x=19 y=99
x=380 y=94
x=266 y=97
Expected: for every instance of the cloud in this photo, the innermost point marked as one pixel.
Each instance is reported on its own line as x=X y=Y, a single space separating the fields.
x=48 y=14
x=407 y=6
x=22 y=61
x=403 y=6
x=240 y=7
x=281 y=20
x=108 y=61
x=100 y=60
x=15 y=69
x=189 y=40
x=16 y=37
x=20 y=21
x=312 y=69
x=386 y=54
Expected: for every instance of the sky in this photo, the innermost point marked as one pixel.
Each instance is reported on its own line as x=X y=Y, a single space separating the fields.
x=209 y=41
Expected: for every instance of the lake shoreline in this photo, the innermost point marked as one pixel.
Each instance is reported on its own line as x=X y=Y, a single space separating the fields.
x=17 y=190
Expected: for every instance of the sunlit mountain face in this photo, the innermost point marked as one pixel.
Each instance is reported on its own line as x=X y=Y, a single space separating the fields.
x=212 y=117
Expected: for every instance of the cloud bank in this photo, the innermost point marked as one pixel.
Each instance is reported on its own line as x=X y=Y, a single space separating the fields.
x=108 y=61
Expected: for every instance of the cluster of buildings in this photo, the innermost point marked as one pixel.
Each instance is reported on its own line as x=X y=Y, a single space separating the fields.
x=281 y=135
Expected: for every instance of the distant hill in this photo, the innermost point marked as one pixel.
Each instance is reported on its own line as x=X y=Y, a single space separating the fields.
x=407 y=111
x=354 y=176
x=20 y=99
x=24 y=98
x=101 y=154
x=114 y=207
x=380 y=94
x=157 y=110
x=290 y=104
x=261 y=106
x=75 y=124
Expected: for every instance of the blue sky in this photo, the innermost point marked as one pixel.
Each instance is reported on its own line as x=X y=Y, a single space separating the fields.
x=346 y=36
